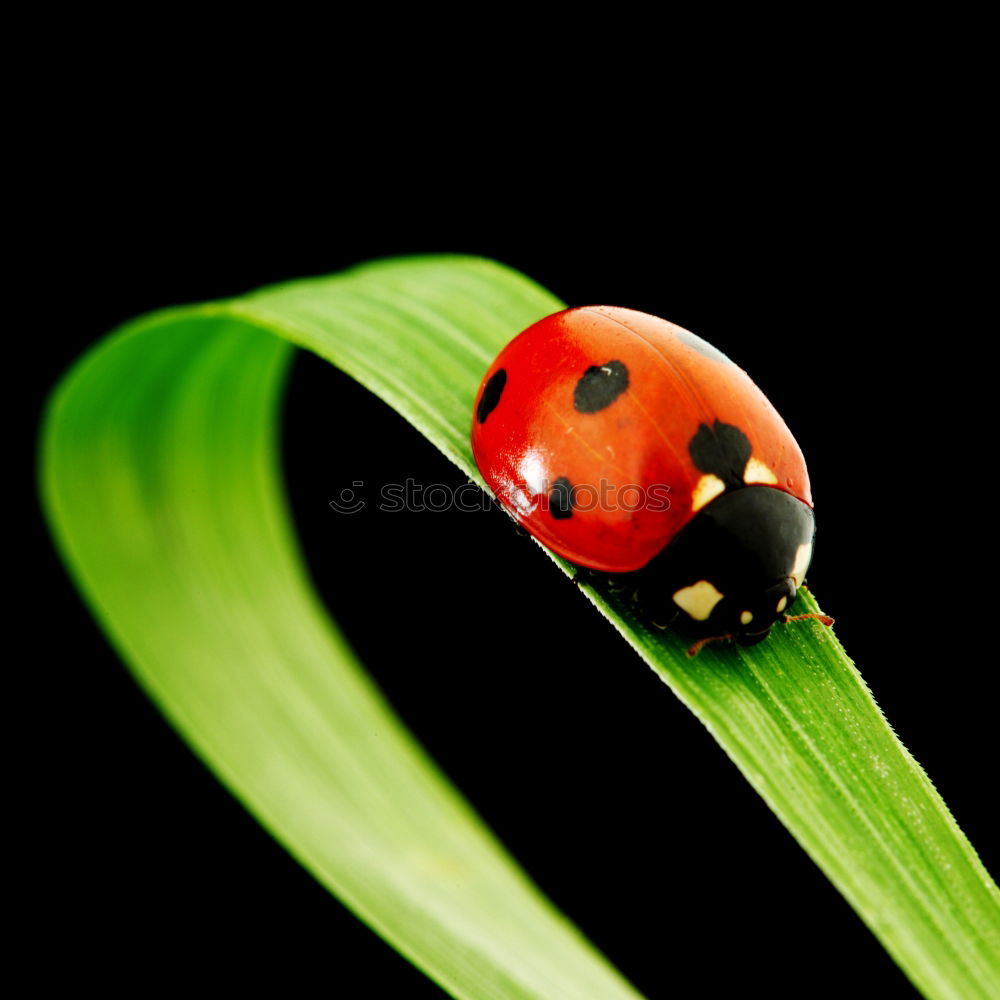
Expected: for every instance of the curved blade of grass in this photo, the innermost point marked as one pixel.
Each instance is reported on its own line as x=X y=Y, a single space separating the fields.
x=160 y=479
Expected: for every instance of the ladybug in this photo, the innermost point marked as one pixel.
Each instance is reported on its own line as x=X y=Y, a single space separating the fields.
x=633 y=448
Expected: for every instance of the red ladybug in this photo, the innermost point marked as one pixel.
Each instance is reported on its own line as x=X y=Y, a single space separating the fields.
x=630 y=446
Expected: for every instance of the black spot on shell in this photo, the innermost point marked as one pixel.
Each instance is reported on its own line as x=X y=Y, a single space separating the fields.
x=561 y=499
x=491 y=394
x=600 y=386
x=721 y=450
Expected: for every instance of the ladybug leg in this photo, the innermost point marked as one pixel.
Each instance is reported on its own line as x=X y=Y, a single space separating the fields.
x=663 y=620
x=649 y=602
x=663 y=625
x=694 y=650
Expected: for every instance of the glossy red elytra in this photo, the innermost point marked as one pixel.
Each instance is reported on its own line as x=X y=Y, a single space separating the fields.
x=632 y=447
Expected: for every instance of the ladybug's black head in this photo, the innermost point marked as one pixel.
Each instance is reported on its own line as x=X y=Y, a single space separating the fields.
x=736 y=567
x=749 y=617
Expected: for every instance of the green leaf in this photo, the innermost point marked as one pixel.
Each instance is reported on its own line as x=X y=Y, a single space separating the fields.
x=160 y=478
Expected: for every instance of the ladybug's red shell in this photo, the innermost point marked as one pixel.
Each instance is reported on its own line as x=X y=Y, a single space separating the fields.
x=588 y=427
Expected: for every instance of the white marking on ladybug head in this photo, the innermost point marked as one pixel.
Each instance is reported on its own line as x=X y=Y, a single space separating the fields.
x=782 y=604
x=803 y=555
x=746 y=617
x=757 y=472
x=706 y=490
x=698 y=600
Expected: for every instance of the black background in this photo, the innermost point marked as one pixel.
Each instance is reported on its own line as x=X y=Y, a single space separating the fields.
x=836 y=261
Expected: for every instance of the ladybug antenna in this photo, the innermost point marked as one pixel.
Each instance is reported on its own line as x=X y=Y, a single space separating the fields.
x=701 y=643
x=822 y=619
